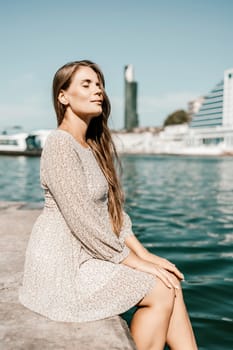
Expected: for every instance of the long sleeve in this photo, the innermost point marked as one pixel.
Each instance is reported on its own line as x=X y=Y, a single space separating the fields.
x=62 y=172
x=126 y=229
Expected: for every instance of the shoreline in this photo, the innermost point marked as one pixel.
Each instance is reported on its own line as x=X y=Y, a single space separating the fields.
x=138 y=153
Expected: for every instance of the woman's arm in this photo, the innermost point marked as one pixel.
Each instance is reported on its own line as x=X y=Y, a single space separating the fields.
x=129 y=239
x=135 y=262
x=139 y=250
x=63 y=175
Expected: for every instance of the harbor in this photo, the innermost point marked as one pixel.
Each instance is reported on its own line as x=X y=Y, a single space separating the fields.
x=168 y=74
x=179 y=140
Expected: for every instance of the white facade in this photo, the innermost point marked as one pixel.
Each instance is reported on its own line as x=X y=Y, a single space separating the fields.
x=210 y=113
x=228 y=98
x=178 y=140
x=216 y=108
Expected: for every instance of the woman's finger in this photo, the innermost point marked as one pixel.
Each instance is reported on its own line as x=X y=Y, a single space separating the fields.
x=172 y=268
x=170 y=278
x=163 y=279
x=166 y=278
x=177 y=272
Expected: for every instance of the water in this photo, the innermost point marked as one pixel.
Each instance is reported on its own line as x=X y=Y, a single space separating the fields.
x=182 y=209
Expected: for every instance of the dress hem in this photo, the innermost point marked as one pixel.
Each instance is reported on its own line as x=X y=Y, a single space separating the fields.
x=104 y=315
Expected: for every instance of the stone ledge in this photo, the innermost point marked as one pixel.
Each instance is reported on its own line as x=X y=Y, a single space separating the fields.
x=26 y=330
x=23 y=329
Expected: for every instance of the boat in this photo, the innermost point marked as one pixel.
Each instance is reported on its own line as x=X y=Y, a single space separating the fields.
x=23 y=144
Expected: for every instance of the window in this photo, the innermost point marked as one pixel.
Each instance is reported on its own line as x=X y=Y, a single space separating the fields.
x=229 y=75
x=9 y=142
x=213 y=141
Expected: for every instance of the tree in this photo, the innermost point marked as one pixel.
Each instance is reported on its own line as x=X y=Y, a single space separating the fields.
x=177 y=117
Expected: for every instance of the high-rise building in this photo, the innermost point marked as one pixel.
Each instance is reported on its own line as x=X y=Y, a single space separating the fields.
x=217 y=106
x=131 y=116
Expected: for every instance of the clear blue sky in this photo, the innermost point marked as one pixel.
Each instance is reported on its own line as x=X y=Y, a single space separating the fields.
x=179 y=50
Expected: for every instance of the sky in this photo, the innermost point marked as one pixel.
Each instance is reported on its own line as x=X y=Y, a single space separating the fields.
x=179 y=50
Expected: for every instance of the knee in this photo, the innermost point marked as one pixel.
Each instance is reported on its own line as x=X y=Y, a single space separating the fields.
x=160 y=298
x=165 y=300
x=178 y=291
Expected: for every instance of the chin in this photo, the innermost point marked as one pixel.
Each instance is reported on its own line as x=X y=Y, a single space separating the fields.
x=97 y=113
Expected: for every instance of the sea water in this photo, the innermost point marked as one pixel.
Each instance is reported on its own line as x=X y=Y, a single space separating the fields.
x=181 y=209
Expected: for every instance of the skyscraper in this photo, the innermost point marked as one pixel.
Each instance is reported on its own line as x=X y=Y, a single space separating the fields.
x=216 y=108
x=131 y=116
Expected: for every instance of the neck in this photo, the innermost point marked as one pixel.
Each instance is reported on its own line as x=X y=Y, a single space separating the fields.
x=76 y=126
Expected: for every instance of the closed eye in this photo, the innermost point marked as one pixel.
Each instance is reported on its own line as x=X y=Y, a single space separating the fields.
x=86 y=82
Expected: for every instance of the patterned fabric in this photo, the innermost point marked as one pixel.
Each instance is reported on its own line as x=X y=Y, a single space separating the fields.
x=73 y=269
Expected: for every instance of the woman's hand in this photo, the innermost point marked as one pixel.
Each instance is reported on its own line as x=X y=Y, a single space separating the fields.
x=141 y=264
x=163 y=274
x=164 y=264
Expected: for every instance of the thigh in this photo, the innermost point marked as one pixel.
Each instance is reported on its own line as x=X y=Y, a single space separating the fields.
x=159 y=294
x=114 y=279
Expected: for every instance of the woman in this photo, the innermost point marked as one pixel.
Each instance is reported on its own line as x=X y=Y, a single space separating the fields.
x=83 y=261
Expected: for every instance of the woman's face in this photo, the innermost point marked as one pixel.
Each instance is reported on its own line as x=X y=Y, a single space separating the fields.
x=84 y=96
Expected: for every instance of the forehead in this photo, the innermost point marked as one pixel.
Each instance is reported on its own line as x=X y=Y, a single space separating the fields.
x=85 y=73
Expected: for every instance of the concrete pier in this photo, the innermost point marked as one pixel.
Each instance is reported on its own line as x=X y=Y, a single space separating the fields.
x=23 y=329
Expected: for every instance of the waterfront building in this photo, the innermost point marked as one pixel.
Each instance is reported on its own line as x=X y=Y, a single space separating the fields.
x=210 y=112
x=131 y=115
x=216 y=108
x=212 y=123
x=209 y=134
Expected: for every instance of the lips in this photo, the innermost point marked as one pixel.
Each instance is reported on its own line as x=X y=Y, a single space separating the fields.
x=97 y=101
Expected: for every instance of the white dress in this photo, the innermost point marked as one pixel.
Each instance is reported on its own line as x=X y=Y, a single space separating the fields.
x=73 y=269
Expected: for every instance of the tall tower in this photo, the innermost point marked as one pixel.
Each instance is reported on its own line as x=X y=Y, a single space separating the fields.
x=131 y=116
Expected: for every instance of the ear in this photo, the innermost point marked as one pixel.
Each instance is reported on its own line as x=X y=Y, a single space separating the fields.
x=62 y=98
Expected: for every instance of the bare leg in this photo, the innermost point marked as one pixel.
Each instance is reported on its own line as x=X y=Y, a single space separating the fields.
x=180 y=334
x=162 y=318
x=149 y=325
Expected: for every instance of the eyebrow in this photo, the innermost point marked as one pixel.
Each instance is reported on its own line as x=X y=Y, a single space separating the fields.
x=88 y=81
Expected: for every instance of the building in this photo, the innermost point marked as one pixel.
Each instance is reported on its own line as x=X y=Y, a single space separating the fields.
x=209 y=134
x=210 y=112
x=131 y=116
x=216 y=108
x=212 y=123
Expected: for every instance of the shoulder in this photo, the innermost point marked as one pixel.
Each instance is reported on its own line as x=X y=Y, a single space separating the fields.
x=58 y=139
x=58 y=136
x=58 y=143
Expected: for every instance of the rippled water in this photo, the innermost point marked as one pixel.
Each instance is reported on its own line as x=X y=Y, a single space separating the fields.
x=182 y=209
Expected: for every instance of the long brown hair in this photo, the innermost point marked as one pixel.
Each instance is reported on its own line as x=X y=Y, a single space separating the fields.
x=98 y=137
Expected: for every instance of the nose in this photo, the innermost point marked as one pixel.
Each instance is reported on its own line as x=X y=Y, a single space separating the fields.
x=98 y=91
